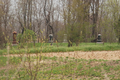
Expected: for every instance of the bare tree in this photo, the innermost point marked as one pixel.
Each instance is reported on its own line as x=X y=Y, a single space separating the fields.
x=95 y=10
x=5 y=6
x=24 y=10
x=2 y=38
x=48 y=14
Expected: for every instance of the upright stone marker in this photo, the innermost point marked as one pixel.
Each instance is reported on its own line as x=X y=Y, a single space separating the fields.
x=51 y=38
x=99 y=38
x=65 y=38
x=14 y=37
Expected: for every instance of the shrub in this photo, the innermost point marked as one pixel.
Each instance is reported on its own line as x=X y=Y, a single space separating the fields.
x=27 y=36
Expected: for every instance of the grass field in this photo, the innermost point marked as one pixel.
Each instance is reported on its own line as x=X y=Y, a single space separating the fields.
x=54 y=68
x=58 y=68
x=61 y=47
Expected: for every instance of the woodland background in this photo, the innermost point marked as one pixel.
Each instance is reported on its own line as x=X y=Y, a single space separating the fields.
x=81 y=20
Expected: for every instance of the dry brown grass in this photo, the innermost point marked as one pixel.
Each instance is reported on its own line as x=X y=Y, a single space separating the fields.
x=106 y=55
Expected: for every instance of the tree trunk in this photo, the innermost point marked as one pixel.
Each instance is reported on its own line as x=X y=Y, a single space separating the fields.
x=2 y=39
x=69 y=44
x=119 y=40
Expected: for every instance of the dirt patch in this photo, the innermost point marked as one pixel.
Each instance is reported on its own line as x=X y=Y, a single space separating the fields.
x=106 y=55
x=7 y=67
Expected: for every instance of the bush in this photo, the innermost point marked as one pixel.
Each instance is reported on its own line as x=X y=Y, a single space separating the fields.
x=27 y=36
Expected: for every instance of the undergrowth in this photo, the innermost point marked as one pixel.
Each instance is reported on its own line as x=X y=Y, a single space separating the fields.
x=57 y=68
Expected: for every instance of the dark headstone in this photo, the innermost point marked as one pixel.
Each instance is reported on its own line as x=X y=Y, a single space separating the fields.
x=99 y=38
x=51 y=38
x=14 y=37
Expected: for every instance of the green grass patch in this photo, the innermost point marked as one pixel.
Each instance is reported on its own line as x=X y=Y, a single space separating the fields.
x=3 y=61
x=61 y=47
x=12 y=60
x=55 y=68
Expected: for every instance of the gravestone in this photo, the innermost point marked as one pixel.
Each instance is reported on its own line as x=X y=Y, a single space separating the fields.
x=14 y=37
x=51 y=38
x=65 y=38
x=99 y=38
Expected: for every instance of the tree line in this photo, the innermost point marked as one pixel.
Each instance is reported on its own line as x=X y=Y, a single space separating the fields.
x=81 y=20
